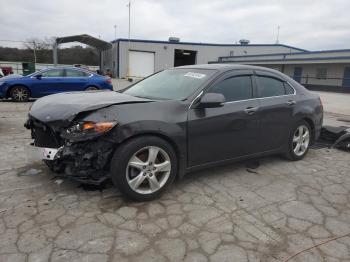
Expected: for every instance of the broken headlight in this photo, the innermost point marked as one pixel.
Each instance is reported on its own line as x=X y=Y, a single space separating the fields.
x=87 y=130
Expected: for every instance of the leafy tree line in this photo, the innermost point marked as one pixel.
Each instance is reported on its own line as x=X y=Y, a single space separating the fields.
x=44 y=53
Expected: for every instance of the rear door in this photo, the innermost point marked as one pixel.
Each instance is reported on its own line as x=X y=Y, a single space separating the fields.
x=226 y=132
x=75 y=80
x=277 y=102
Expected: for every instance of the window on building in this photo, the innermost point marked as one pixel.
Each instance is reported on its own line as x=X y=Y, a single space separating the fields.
x=270 y=87
x=232 y=53
x=235 y=88
x=321 y=73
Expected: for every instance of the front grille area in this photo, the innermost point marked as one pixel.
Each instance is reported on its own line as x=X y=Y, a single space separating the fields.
x=44 y=136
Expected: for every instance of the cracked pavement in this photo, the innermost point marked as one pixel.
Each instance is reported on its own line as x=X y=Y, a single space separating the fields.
x=220 y=214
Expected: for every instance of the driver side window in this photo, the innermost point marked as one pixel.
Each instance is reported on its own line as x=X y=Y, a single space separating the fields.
x=235 y=88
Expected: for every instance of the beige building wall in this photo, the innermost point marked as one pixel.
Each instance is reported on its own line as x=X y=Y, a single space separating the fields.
x=335 y=73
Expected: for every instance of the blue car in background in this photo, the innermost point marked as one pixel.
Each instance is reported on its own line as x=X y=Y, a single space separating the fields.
x=52 y=81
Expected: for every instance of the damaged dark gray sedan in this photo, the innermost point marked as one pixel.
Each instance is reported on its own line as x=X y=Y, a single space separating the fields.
x=173 y=122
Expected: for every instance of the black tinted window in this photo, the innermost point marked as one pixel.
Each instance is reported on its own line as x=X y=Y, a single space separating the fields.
x=270 y=87
x=75 y=73
x=235 y=88
x=289 y=89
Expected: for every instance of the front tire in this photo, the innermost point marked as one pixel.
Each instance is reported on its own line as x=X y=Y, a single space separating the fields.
x=299 y=141
x=144 y=167
x=19 y=94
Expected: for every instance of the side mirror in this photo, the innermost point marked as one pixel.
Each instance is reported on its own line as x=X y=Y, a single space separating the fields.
x=39 y=76
x=210 y=100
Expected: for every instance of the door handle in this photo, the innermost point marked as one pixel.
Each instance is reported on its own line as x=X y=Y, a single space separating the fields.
x=291 y=102
x=251 y=110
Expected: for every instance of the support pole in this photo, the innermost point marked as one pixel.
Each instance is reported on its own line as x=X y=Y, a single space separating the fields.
x=128 y=72
x=34 y=49
x=55 y=57
x=100 y=52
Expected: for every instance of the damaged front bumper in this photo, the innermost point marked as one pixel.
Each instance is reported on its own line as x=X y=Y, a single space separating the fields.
x=40 y=153
x=84 y=161
x=87 y=162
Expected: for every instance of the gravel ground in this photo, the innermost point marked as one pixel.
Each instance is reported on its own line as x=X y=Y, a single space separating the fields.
x=227 y=213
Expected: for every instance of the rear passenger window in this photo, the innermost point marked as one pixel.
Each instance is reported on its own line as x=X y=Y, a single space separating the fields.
x=75 y=73
x=235 y=88
x=270 y=87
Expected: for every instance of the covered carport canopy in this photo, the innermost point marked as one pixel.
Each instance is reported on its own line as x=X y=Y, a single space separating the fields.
x=97 y=43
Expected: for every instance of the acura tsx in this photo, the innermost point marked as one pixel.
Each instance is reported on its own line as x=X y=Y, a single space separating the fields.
x=173 y=122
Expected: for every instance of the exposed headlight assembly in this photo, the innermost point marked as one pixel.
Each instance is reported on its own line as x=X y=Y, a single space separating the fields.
x=87 y=130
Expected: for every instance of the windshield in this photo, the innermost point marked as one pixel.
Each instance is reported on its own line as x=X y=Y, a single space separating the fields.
x=172 y=84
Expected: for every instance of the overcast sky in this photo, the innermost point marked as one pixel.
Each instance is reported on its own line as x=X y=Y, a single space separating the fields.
x=308 y=24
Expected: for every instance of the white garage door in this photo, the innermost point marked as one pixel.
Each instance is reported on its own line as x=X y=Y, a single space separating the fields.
x=141 y=63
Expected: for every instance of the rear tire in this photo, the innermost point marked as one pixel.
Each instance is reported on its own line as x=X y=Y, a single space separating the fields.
x=299 y=141
x=19 y=94
x=91 y=88
x=144 y=167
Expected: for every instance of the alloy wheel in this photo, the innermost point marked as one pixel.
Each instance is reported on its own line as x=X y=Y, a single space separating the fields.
x=20 y=94
x=301 y=140
x=148 y=170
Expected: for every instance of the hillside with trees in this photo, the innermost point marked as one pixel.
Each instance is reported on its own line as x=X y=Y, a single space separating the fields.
x=44 y=54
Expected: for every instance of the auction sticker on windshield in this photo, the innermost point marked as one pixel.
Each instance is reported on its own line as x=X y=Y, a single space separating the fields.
x=195 y=75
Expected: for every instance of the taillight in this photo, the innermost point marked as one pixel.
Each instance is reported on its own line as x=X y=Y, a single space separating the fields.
x=109 y=81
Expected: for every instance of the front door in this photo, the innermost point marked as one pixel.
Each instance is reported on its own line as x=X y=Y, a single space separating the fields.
x=227 y=132
x=49 y=83
x=277 y=102
x=298 y=72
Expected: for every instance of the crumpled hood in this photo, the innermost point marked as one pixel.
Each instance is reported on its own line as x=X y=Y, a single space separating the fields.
x=66 y=106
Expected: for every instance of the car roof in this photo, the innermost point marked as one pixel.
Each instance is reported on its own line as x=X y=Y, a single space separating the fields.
x=226 y=67
x=68 y=67
x=65 y=67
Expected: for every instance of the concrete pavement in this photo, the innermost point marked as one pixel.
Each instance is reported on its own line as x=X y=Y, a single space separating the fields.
x=227 y=213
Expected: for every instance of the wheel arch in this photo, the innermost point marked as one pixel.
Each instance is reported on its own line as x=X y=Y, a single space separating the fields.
x=312 y=126
x=92 y=85
x=180 y=157
x=8 y=91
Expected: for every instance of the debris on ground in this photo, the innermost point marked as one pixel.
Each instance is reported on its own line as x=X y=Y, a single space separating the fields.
x=58 y=181
x=91 y=187
x=335 y=137
x=30 y=172
x=344 y=119
x=252 y=164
